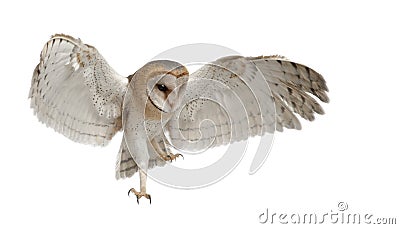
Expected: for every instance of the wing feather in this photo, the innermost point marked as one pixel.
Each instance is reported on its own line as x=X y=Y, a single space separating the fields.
x=75 y=92
x=245 y=97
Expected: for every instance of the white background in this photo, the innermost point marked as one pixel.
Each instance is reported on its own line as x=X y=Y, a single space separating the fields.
x=350 y=154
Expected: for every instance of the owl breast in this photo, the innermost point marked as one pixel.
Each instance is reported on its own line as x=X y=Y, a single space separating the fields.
x=153 y=128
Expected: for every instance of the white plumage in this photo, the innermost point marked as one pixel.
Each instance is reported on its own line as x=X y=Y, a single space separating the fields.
x=76 y=92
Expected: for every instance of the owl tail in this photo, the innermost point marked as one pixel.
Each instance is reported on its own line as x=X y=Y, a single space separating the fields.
x=125 y=166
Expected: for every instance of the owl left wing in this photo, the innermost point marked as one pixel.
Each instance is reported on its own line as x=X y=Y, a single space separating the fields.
x=235 y=97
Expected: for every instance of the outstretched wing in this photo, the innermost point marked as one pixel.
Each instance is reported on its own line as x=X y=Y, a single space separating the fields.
x=76 y=92
x=235 y=97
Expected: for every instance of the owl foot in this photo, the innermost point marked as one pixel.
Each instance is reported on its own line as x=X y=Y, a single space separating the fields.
x=170 y=157
x=139 y=195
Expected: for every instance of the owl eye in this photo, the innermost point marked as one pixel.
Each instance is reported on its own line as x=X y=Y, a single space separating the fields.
x=162 y=87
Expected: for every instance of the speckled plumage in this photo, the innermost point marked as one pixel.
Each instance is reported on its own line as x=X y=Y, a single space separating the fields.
x=76 y=92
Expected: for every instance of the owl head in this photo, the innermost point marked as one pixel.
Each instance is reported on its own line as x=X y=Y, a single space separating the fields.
x=165 y=83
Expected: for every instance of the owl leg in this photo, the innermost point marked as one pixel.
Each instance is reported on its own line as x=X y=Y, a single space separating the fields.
x=142 y=193
x=164 y=151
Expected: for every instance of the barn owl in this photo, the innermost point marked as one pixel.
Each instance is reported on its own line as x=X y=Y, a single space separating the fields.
x=75 y=92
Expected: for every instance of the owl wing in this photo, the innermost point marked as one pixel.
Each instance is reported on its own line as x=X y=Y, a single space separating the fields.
x=235 y=97
x=75 y=92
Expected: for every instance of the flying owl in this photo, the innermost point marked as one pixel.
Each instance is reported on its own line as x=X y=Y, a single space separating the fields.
x=160 y=106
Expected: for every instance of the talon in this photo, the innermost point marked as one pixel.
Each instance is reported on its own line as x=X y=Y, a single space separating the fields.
x=172 y=157
x=169 y=158
x=129 y=191
x=139 y=195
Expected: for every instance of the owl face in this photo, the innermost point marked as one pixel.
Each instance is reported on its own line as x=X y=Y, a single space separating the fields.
x=165 y=88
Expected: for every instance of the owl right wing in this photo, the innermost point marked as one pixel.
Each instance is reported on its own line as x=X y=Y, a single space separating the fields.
x=236 y=97
x=75 y=92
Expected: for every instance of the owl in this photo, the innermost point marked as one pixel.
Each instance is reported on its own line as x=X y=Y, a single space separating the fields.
x=161 y=106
